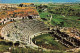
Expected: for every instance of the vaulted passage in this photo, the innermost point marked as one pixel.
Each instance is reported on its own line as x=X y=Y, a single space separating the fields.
x=30 y=17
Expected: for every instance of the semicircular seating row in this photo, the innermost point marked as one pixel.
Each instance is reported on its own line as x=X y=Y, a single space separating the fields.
x=21 y=30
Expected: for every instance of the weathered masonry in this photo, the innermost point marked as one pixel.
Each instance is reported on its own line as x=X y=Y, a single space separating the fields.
x=65 y=39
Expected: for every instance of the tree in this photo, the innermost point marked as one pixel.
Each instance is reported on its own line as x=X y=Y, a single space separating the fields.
x=45 y=6
x=40 y=11
x=21 y=5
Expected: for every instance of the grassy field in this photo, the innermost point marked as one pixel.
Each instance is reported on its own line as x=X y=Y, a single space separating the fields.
x=67 y=21
x=49 y=42
x=63 y=14
x=61 y=20
x=15 y=49
x=5 y=48
x=5 y=45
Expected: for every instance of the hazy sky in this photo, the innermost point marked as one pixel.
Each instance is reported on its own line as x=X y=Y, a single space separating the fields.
x=21 y=1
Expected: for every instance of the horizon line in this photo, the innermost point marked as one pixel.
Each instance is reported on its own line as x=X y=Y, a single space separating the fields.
x=40 y=2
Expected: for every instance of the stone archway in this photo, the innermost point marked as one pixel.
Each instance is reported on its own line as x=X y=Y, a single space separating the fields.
x=30 y=17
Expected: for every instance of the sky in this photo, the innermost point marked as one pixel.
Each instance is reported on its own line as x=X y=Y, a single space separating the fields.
x=21 y=1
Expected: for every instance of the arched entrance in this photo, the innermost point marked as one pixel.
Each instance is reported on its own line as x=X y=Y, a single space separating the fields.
x=30 y=17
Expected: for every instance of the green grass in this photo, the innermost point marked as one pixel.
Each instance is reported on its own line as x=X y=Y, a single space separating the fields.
x=3 y=48
x=44 y=14
x=48 y=40
x=76 y=6
x=59 y=19
x=68 y=21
